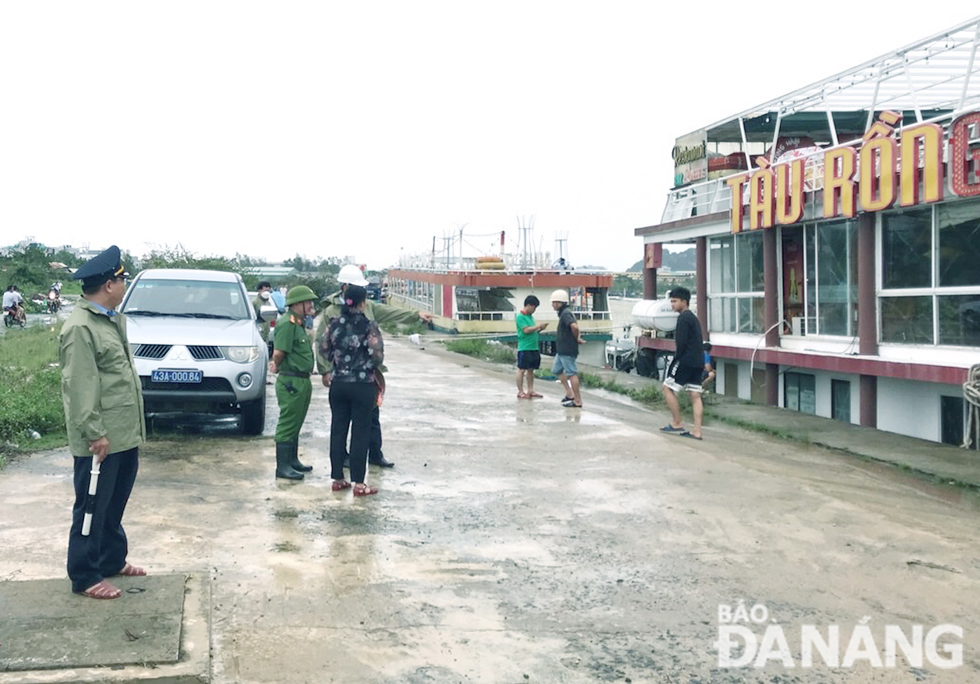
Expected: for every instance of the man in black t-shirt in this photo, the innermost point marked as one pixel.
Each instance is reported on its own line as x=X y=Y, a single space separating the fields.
x=685 y=370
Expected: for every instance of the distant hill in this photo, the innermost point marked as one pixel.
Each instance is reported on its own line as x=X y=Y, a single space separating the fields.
x=675 y=261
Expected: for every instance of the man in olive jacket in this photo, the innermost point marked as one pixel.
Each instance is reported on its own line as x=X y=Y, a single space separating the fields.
x=104 y=417
x=382 y=314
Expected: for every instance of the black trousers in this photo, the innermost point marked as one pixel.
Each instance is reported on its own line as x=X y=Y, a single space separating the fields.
x=350 y=408
x=103 y=552
x=374 y=446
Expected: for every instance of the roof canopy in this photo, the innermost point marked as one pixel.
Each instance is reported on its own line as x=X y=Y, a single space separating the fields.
x=926 y=80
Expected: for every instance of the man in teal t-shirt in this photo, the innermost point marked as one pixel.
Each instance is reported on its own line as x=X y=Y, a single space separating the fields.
x=528 y=353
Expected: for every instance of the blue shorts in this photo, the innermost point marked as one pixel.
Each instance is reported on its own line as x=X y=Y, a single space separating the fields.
x=564 y=364
x=529 y=359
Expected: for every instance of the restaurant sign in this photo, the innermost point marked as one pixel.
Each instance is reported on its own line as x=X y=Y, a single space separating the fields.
x=690 y=155
x=872 y=172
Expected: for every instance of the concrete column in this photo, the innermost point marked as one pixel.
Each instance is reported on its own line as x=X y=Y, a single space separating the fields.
x=652 y=259
x=867 y=319
x=772 y=384
x=649 y=283
x=869 y=401
x=771 y=275
x=701 y=283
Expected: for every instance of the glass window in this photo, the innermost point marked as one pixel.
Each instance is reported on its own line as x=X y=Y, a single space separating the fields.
x=906 y=249
x=836 y=276
x=959 y=244
x=751 y=314
x=906 y=319
x=751 y=271
x=959 y=320
x=721 y=314
x=735 y=264
x=809 y=239
x=722 y=265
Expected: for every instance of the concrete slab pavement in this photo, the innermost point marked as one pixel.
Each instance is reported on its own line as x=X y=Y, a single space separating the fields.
x=158 y=634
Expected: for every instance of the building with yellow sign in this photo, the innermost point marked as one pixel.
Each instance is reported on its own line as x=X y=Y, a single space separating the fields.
x=838 y=241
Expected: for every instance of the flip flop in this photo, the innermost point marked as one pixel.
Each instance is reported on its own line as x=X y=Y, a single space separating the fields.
x=535 y=395
x=688 y=434
x=522 y=395
x=670 y=429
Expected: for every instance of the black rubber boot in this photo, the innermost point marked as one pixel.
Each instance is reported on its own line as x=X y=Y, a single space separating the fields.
x=296 y=465
x=285 y=452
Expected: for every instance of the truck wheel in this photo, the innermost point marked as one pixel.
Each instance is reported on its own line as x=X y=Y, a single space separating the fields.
x=253 y=416
x=646 y=365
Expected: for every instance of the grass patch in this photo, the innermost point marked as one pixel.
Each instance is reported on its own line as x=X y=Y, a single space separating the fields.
x=648 y=395
x=483 y=349
x=30 y=390
x=758 y=427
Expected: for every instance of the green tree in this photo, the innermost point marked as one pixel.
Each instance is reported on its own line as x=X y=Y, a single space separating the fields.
x=30 y=270
x=178 y=257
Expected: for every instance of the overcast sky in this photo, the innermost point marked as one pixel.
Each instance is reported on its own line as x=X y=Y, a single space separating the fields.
x=367 y=128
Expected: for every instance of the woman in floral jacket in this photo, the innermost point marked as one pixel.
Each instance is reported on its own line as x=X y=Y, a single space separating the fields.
x=354 y=346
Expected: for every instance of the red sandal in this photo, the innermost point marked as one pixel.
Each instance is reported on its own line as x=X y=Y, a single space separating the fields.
x=131 y=571
x=340 y=485
x=363 y=490
x=102 y=590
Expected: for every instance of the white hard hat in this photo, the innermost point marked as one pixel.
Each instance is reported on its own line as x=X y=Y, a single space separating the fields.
x=559 y=296
x=352 y=275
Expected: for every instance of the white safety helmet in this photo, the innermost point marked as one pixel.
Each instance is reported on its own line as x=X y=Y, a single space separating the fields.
x=559 y=296
x=352 y=275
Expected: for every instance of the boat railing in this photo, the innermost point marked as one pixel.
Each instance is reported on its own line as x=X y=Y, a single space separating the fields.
x=511 y=315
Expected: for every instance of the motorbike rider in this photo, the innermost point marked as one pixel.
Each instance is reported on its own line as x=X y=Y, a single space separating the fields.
x=54 y=297
x=12 y=302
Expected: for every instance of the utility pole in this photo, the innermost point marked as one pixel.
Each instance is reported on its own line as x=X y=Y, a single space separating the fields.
x=460 y=227
x=561 y=240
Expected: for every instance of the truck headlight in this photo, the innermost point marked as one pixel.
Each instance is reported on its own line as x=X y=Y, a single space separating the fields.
x=241 y=354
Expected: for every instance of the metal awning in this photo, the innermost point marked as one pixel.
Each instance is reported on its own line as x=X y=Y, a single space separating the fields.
x=928 y=79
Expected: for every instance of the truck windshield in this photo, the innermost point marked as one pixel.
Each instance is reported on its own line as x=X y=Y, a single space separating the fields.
x=187 y=298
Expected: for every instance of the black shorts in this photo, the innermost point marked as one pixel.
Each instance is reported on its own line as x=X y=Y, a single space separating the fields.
x=529 y=360
x=684 y=378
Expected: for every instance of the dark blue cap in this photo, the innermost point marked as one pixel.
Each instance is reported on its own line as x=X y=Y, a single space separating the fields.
x=101 y=268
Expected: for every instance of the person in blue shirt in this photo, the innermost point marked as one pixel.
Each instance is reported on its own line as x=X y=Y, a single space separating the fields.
x=708 y=374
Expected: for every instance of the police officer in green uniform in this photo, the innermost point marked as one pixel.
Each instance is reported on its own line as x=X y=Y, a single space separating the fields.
x=103 y=403
x=292 y=360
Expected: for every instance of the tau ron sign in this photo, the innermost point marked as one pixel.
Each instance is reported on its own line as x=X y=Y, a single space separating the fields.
x=874 y=174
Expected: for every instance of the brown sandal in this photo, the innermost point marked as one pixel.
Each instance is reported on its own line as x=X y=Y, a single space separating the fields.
x=102 y=590
x=340 y=485
x=132 y=571
x=361 y=489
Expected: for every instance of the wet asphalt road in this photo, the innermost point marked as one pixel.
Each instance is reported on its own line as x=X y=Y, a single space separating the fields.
x=519 y=541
